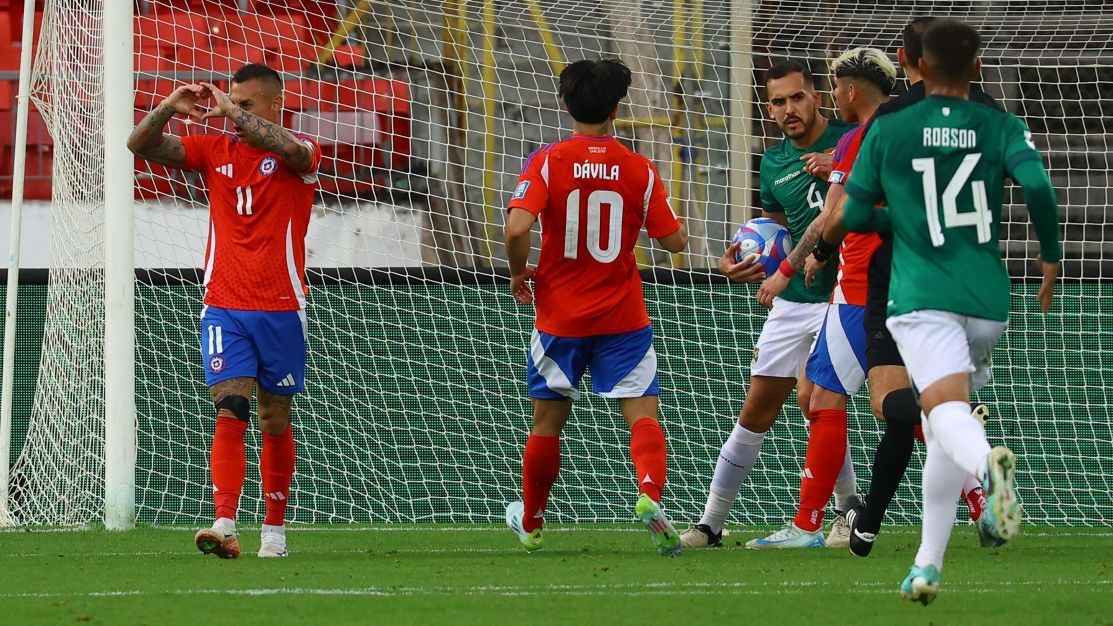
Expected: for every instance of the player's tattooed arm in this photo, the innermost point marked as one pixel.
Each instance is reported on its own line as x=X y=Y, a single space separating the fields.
x=273 y=137
x=802 y=249
x=148 y=140
x=834 y=231
x=260 y=133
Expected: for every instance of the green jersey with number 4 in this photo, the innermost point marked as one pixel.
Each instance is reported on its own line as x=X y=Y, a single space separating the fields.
x=940 y=166
x=787 y=188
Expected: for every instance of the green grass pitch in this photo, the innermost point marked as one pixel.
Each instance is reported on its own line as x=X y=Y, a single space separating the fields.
x=586 y=575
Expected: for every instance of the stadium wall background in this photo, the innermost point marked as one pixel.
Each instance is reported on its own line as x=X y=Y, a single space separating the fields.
x=434 y=431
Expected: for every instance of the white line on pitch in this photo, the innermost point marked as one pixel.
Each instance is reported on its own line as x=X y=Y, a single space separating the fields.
x=630 y=589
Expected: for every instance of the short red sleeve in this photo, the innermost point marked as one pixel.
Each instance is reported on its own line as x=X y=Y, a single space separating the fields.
x=197 y=151
x=846 y=151
x=315 y=151
x=660 y=221
x=532 y=193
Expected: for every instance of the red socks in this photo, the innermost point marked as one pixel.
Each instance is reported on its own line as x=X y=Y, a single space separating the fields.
x=826 y=453
x=540 y=466
x=228 y=465
x=647 y=449
x=276 y=468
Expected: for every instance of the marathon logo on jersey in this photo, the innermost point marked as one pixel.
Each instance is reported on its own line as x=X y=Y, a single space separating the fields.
x=601 y=171
x=216 y=364
x=788 y=177
x=520 y=192
x=268 y=166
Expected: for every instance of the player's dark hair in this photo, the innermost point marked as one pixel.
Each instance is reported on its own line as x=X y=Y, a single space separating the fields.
x=253 y=71
x=785 y=68
x=914 y=38
x=953 y=47
x=592 y=89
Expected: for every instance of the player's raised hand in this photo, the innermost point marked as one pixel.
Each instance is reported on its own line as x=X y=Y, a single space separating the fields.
x=184 y=100
x=1047 y=288
x=745 y=272
x=818 y=164
x=519 y=287
x=222 y=104
x=771 y=288
x=812 y=266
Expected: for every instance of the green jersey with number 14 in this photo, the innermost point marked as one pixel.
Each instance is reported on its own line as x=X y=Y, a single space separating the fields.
x=940 y=165
x=787 y=188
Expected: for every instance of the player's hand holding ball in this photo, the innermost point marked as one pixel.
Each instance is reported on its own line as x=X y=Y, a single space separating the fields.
x=519 y=287
x=740 y=269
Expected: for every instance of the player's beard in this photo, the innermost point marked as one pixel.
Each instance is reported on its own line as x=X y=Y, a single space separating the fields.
x=795 y=127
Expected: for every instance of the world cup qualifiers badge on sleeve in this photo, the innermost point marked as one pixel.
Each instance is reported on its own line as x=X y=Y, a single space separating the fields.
x=520 y=192
x=267 y=167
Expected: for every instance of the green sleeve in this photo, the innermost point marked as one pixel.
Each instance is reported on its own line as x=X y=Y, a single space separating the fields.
x=862 y=216
x=864 y=188
x=1043 y=207
x=1019 y=146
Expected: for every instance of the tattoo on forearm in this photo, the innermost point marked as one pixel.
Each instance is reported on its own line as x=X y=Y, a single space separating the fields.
x=149 y=131
x=149 y=142
x=800 y=253
x=272 y=137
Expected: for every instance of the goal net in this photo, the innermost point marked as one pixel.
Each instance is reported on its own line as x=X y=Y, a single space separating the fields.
x=416 y=408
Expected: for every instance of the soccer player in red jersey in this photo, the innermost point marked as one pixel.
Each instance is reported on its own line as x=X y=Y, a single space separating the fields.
x=261 y=185
x=863 y=77
x=592 y=195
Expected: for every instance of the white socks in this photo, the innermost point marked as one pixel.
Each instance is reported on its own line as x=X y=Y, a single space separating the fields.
x=960 y=436
x=943 y=480
x=274 y=530
x=736 y=459
x=956 y=459
x=846 y=485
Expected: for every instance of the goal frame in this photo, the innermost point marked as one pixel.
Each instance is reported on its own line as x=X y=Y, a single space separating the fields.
x=120 y=425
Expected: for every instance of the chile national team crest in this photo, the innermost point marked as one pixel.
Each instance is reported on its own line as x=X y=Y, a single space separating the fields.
x=216 y=364
x=267 y=167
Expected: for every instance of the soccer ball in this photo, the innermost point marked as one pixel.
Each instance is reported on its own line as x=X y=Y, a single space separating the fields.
x=764 y=241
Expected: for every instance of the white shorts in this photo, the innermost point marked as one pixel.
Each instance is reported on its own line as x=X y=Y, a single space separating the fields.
x=936 y=344
x=787 y=337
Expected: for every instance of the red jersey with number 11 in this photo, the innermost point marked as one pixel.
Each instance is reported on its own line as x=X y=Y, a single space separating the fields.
x=258 y=216
x=592 y=196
